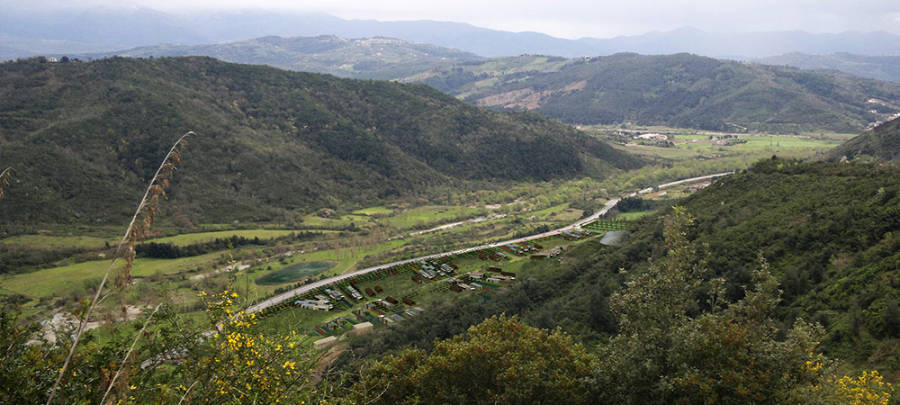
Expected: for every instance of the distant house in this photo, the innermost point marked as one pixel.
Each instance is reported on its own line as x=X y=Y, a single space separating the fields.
x=653 y=137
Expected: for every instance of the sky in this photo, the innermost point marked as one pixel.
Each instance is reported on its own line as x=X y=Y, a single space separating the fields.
x=568 y=18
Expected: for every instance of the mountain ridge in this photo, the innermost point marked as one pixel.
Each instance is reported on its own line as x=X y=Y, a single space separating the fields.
x=681 y=90
x=365 y=58
x=146 y=27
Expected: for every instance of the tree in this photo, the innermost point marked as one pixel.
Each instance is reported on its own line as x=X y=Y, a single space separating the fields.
x=500 y=360
x=669 y=352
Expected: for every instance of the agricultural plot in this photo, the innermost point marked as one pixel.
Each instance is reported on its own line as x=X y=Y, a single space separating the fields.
x=606 y=225
x=390 y=296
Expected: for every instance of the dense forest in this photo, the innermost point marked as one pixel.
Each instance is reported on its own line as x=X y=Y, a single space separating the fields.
x=82 y=137
x=679 y=90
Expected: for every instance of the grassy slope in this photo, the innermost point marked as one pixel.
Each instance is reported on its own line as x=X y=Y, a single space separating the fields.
x=83 y=137
x=881 y=143
x=676 y=90
x=828 y=231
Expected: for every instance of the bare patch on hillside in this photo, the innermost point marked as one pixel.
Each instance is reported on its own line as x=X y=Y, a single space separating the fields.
x=527 y=98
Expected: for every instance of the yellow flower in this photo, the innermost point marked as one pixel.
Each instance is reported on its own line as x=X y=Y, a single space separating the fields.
x=132 y=387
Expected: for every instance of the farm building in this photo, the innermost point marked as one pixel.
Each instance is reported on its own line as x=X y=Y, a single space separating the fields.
x=320 y=305
x=324 y=343
x=362 y=328
x=653 y=137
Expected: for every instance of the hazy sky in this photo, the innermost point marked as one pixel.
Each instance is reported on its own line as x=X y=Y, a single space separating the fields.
x=571 y=18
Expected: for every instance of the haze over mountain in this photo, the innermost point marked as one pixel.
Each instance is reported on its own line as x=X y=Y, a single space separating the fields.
x=873 y=67
x=678 y=90
x=26 y=33
x=84 y=137
x=369 y=58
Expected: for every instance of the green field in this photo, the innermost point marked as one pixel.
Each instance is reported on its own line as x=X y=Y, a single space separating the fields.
x=374 y=211
x=59 y=280
x=294 y=272
x=631 y=216
x=57 y=242
x=429 y=215
x=201 y=237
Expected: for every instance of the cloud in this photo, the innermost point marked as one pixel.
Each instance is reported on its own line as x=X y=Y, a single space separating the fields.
x=570 y=18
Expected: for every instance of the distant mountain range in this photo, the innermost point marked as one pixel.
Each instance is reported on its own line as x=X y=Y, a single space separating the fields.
x=367 y=58
x=84 y=137
x=27 y=33
x=873 y=67
x=678 y=90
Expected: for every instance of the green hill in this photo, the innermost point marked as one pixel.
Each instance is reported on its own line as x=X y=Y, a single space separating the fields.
x=828 y=231
x=362 y=58
x=881 y=143
x=679 y=90
x=84 y=137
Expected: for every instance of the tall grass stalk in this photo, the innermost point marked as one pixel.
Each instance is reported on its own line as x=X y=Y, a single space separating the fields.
x=146 y=208
x=124 y=361
x=4 y=179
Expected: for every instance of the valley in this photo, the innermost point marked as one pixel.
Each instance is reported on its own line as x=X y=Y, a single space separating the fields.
x=419 y=211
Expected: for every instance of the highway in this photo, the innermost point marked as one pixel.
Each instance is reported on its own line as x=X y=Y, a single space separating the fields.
x=277 y=299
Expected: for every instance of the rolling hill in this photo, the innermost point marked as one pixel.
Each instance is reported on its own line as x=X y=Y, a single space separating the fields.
x=881 y=144
x=677 y=90
x=365 y=58
x=84 y=137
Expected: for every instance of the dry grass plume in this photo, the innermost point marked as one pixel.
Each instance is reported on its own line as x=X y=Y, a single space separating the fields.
x=138 y=227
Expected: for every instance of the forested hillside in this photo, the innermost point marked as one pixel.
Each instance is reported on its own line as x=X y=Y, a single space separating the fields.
x=828 y=232
x=679 y=90
x=881 y=144
x=362 y=58
x=83 y=137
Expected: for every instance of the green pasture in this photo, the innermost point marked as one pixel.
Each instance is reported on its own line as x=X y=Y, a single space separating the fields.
x=429 y=215
x=39 y=241
x=374 y=211
x=202 y=237
x=58 y=280
x=631 y=216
